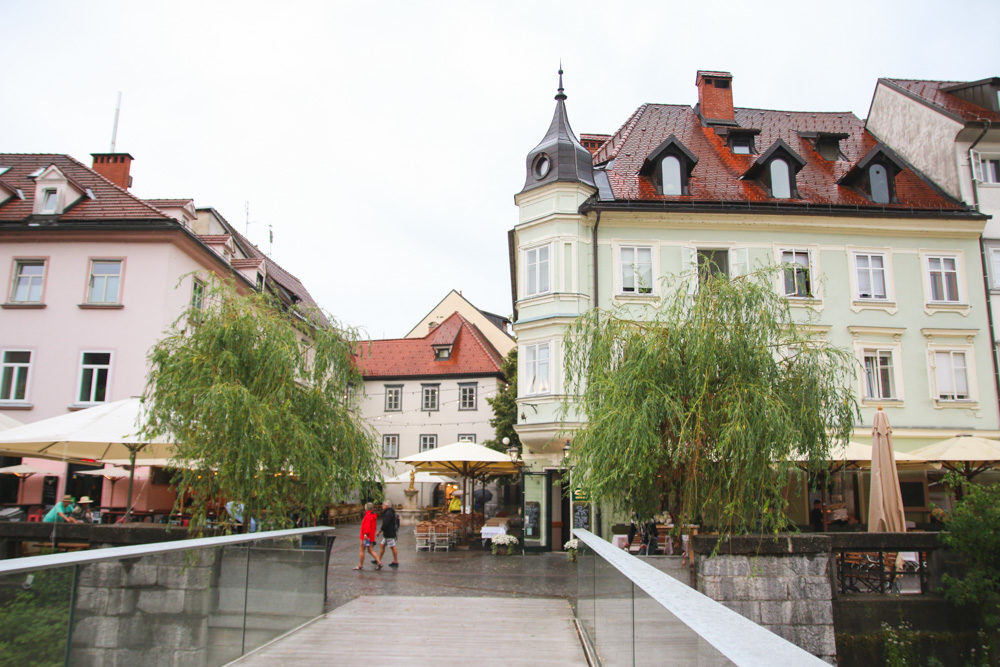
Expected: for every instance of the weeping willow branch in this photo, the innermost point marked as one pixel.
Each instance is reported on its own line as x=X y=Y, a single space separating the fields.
x=701 y=406
x=256 y=400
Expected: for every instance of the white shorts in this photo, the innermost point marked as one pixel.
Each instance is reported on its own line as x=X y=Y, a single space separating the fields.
x=389 y=541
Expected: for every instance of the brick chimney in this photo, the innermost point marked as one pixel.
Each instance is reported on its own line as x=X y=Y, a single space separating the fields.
x=115 y=167
x=715 y=97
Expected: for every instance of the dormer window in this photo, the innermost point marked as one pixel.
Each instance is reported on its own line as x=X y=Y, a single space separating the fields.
x=50 y=200
x=740 y=139
x=781 y=185
x=741 y=145
x=875 y=175
x=669 y=166
x=775 y=169
x=442 y=352
x=827 y=144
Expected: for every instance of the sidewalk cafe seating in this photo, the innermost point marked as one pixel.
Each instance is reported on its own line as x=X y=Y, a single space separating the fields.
x=875 y=571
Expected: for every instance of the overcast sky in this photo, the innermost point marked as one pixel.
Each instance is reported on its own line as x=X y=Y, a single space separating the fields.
x=384 y=141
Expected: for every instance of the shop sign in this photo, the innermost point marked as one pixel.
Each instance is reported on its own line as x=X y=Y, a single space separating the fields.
x=581 y=496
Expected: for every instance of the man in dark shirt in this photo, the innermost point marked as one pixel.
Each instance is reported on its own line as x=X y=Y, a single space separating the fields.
x=390 y=524
x=816 y=517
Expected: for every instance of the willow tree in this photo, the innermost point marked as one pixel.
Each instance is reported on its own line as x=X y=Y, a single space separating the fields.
x=699 y=406
x=257 y=399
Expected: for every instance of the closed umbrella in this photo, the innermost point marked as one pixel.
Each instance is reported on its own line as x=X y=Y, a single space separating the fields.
x=885 y=503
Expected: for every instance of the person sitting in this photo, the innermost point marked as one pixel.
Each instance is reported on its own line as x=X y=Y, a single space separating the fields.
x=455 y=504
x=816 y=517
x=61 y=512
x=81 y=512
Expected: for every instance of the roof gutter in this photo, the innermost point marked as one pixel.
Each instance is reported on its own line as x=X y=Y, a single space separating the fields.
x=664 y=206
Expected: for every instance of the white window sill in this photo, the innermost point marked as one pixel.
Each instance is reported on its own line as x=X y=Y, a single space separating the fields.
x=84 y=406
x=25 y=305
x=15 y=405
x=101 y=306
x=882 y=402
x=947 y=307
x=804 y=302
x=634 y=296
x=962 y=404
x=874 y=304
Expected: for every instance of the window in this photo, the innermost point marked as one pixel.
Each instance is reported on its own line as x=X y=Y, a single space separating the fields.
x=429 y=397
x=94 y=371
x=670 y=174
x=989 y=169
x=390 y=446
x=428 y=442
x=50 y=200
x=15 y=368
x=637 y=269
x=943 y=275
x=467 y=396
x=878 y=179
x=536 y=368
x=741 y=144
x=536 y=263
x=197 y=294
x=951 y=373
x=105 y=281
x=870 y=271
x=879 y=378
x=393 y=397
x=797 y=279
x=466 y=437
x=29 y=276
x=442 y=352
x=781 y=185
x=995 y=266
x=260 y=282
x=711 y=263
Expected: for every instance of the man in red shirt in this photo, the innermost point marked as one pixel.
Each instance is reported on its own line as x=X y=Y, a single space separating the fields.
x=368 y=525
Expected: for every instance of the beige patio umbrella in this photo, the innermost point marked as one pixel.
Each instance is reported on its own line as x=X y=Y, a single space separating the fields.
x=966 y=454
x=420 y=478
x=855 y=454
x=885 y=506
x=8 y=422
x=21 y=470
x=467 y=459
x=109 y=430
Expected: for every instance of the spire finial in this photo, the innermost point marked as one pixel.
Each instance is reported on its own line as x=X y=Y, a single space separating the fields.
x=560 y=95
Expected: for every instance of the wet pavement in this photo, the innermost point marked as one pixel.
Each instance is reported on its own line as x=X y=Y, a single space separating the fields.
x=470 y=572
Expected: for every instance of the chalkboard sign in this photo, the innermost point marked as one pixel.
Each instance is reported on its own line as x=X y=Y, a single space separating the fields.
x=581 y=515
x=532 y=520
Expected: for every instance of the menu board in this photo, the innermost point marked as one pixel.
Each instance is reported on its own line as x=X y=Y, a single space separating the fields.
x=532 y=520
x=581 y=515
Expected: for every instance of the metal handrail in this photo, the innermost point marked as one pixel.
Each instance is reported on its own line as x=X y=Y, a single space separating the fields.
x=736 y=637
x=35 y=563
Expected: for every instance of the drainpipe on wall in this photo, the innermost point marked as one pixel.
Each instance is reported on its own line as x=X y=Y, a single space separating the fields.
x=594 y=250
x=985 y=263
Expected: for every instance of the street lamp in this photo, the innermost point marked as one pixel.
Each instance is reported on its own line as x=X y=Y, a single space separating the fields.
x=513 y=451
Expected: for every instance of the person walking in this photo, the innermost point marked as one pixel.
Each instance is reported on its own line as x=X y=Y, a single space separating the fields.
x=390 y=527
x=368 y=524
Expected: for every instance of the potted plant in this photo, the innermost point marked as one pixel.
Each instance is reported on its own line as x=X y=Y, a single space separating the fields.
x=501 y=541
x=571 y=548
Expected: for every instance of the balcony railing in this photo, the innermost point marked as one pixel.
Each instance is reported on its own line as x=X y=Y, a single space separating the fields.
x=200 y=602
x=631 y=613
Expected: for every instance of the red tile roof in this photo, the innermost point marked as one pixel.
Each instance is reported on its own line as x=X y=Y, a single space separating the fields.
x=110 y=201
x=168 y=203
x=933 y=94
x=717 y=176
x=471 y=354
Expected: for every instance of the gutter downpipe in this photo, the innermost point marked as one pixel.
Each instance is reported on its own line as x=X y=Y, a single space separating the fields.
x=597 y=222
x=986 y=275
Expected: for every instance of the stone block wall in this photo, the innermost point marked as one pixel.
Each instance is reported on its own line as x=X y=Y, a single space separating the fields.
x=788 y=591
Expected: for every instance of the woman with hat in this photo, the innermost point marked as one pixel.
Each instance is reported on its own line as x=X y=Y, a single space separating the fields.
x=81 y=513
x=61 y=511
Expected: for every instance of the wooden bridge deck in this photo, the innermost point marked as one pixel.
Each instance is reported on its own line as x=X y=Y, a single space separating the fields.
x=409 y=630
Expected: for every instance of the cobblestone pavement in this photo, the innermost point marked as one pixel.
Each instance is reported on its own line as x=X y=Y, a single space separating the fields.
x=468 y=573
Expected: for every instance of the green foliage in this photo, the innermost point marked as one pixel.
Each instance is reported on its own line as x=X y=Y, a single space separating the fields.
x=899 y=644
x=258 y=401
x=974 y=532
x=701 y=405
x=34 y=621
x=504 y=405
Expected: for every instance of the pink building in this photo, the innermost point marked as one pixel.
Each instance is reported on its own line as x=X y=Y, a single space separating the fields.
x=94 y=276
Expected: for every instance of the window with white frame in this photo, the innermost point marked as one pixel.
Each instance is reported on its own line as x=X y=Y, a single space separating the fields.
x=870 y=273
x=15 y=370
x=105 y=281
x=50 y=200
x=393 y=397
x=636 y=269
x=797 y=278
x=467 y=392
x=94 y=370
x=781 y=184
x=197 y=295
x=880 y=380
x=390 y=446
x=995 y=266
x=942 y=272
x=428 y=442
x=466 y=437
x=951 y=373
x=989 y=169
x=536 y=270
x=670 y=174
x=29 y=278
x=536 y=368
x=429 y=397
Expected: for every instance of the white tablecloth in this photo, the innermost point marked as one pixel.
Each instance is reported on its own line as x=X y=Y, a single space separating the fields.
x=620 y=541
x=489 y=532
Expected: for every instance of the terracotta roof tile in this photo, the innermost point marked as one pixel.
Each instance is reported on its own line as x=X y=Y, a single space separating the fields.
x=471 y=354
x=932 y=93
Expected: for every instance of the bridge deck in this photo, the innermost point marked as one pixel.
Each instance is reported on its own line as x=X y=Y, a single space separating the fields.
x=406 y=630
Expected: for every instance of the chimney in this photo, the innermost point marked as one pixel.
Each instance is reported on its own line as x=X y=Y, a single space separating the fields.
x=715 y=97
x=115 y=167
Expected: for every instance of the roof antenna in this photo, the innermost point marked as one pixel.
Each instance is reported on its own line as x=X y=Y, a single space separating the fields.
x=270 y=238
x=560 y=95
x=114 y=130
x=246 y=208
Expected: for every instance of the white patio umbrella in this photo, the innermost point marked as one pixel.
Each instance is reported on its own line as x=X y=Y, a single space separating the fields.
x=113 y=473
x=967 y=455
x=8 y=422
x=105 y=431
x=420 y=478
x=467 y=459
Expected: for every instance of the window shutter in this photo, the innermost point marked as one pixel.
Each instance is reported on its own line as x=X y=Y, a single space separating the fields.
x=976 y=163
x=689 y=268
x=739 y=264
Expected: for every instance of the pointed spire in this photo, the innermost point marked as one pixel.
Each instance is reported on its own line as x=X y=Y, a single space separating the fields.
x=560 y=95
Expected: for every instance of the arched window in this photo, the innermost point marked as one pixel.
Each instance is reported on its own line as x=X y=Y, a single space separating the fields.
x=671 y=175
x=781 y=187
x=878 y=178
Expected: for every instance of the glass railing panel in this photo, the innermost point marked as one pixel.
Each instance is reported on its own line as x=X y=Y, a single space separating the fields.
x=613 y=611
x=227 y=610
x=35 y=614
x=586 y=562
x=662 y=639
